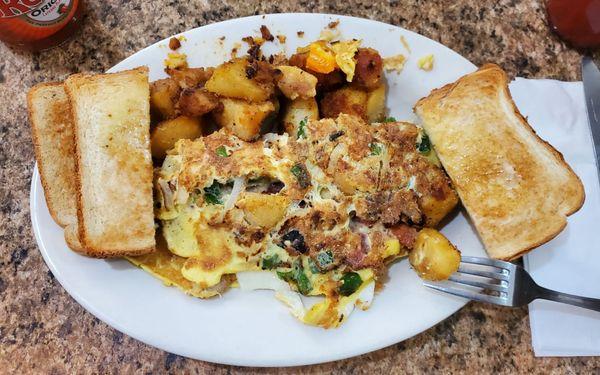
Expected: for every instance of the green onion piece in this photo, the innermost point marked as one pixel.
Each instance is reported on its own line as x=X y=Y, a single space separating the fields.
x=425 y=145
x=300 y=278
x=389 y=119
x=268 y=263
x=313 y=266
x=301 y=128
x=222 y=151
x=285 y=275
x=301 y=174
x=351 y=281
x=212 y=194
x=376 y=148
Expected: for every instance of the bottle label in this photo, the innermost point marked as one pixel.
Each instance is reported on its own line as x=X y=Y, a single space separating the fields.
x=37 y=12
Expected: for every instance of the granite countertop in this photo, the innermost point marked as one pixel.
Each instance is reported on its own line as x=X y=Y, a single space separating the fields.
x=43 y=330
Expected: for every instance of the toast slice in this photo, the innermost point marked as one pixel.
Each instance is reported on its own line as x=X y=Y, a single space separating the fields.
x=111 y=116
x=517 y=188
x=54 y=144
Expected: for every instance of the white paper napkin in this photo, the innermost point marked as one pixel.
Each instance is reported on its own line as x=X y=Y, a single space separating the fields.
x=571 y=262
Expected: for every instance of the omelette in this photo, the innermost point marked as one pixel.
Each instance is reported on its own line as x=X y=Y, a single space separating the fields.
x=318 y=213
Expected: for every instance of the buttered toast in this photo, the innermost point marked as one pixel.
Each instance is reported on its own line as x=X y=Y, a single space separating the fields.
x=111 y=118
x=517 y=188
x=53 y=139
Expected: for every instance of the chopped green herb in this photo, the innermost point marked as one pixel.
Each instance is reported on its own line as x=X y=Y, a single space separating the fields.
x=303 y=282
x=301 y=128
x=351 y=281
x=324 y=259
x=285 y=275
x=212 y=194
x=299 y=170
x=425 y=145
x=298 y=276
x=222 y=151
x=376 y=148
x=268 y=263
x=389 y=119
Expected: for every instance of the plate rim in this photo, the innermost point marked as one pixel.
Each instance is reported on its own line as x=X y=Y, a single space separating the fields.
x=352 y=351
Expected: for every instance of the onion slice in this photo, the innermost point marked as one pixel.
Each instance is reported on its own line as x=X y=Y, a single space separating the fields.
x=239 y=184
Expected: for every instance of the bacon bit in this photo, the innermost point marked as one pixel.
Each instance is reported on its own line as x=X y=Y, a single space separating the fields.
x=406 y=235
x=300 y=34
x=174 y=44
x=333 y=24
x=281 y=38
x=266 y=33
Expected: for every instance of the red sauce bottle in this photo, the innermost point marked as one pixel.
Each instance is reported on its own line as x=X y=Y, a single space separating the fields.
x=38 y=24
x=576 y=21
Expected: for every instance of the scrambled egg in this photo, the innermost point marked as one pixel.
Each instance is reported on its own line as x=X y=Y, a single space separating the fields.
x=312 y=215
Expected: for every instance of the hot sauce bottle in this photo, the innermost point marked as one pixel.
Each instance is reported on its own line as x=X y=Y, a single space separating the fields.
x=576 y=21
x=38 y=24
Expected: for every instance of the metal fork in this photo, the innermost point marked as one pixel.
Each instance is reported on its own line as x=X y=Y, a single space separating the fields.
x=503 y=283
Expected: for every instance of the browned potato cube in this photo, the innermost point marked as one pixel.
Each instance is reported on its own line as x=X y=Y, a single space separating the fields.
x=296 y=83
x=376 y=104
x=196 y=102
x=167 y=133
x=433 y=256
x=163 y=96
x=241 y=79
x=190 y=77
x=346 y=100
x=369 y=68
x=298 y=110
x=242 y=118
x=264 y=210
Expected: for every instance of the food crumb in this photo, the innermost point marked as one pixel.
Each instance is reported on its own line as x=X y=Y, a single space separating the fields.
x=300 y=34
x=222 y=38
x=330 y=35
x=266 y=33
x=235 y=49
x=174 y=44
x=394 y=63
x=333 y=24
x=281 y=38
x=404 y=43
x=176 y=60
x=426 y=63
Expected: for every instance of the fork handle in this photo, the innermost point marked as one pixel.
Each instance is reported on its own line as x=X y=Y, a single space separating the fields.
x=569 y=299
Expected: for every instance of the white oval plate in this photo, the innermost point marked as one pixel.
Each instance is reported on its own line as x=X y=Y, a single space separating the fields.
x=253 y=328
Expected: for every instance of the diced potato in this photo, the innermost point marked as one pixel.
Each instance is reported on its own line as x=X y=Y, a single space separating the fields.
x=190 y=77
x=242 y=118
x=296 y=83
x=264 y=210
x=376 y=104
x=163 y=96
x=167 y=133
x=346 y=100
x=196 y=102
x=435 y=210
x=433 y=256
x=298 y=110
x=231 y=80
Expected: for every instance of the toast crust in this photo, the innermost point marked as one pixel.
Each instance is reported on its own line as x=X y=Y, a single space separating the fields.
x=86 y=246
x=58 y=214
x=455 y=109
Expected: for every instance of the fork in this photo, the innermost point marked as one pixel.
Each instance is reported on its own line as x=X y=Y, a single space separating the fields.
x=503 y=283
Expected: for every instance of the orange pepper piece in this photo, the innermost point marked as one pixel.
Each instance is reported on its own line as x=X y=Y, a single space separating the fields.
x=320 y=60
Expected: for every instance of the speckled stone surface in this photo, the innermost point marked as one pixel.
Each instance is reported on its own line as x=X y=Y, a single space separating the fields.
x=43 y=330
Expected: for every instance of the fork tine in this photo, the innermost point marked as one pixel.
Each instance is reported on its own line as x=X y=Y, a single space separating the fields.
x=466 y=293
x=491 y=275
x=484 y=261
x=489 y=286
